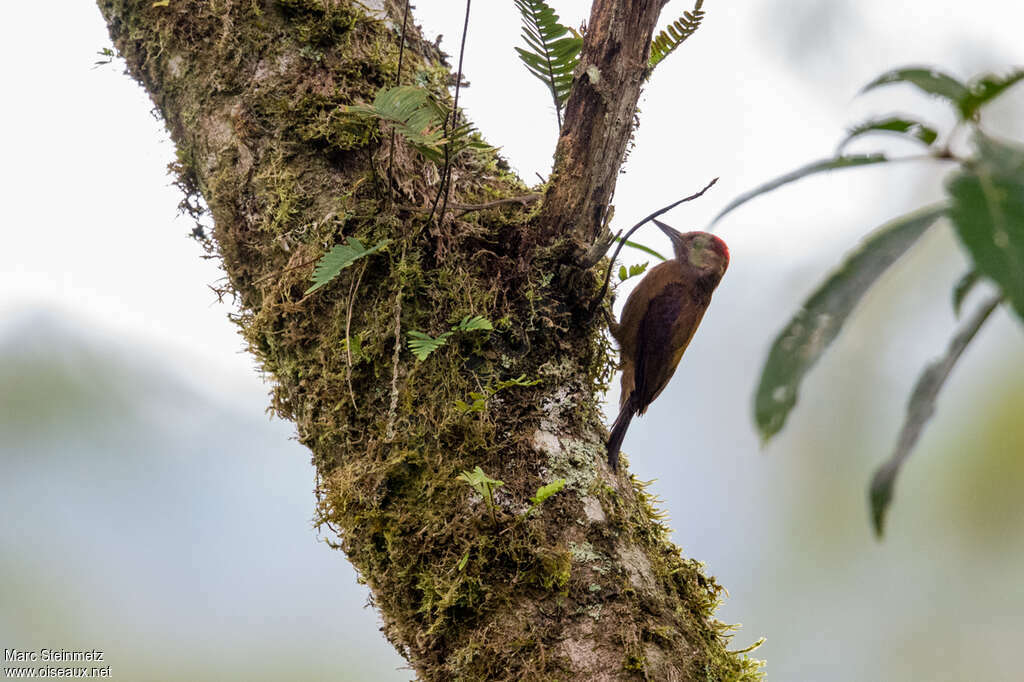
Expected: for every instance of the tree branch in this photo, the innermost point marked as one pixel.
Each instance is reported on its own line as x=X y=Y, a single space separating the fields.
x=599 y=116
x=588 y=587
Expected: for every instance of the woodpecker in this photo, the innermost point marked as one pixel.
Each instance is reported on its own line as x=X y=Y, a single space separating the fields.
x=659 y=319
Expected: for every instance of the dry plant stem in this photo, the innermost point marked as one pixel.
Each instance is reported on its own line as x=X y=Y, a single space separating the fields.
x=287 y=269
x=348 y=332
x=468 y=208
x=522 y=201
x=455 y=107
x=398 y=81
x=389 y=429
x=599 y=116
x=444 y=188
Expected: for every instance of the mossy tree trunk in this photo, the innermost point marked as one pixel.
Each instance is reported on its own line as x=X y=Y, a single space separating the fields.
x=586 y=586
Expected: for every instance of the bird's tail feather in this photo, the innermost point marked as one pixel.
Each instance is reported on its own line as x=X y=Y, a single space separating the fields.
x=619 y=432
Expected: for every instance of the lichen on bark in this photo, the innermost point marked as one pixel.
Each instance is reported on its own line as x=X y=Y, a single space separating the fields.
x=586 y=586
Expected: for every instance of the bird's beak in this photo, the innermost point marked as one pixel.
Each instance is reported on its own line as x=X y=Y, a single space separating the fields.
x=674 y=236
x=670 y=232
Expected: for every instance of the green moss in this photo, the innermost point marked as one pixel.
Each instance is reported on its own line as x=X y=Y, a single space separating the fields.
x=319 y=23
x=634 y=662
x=554 y=570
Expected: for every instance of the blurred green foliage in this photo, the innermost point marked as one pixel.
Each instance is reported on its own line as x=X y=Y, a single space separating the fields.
x=985 y=204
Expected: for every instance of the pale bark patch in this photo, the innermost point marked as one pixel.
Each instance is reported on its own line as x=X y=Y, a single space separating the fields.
x=638 y=567
x=592 y=509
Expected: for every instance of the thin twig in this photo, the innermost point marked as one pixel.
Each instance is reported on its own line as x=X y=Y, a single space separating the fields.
x=455 y=103
x=401 y=48
x=389 y=430
x=490 y=500
x=466 y=208
x=398 y=81
x=622 y=240
x=348 y=325
x=445 y=186
x=287 y=269
x=522 y=200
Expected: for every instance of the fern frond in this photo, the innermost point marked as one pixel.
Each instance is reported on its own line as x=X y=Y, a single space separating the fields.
x=422 y=345
x=633 y=271
x=420 y=119
x=553 y=51
x=339 y=258
x=464 y=137
x=472 y=323
x=675 y=33
x=414 y=114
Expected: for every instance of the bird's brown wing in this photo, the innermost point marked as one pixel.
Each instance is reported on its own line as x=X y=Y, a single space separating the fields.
x=627 y=331
x=665 y=332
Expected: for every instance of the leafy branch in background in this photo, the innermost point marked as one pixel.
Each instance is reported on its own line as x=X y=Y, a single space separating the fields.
x=666 y=42
x=553 y=52
x=920 y=409
x=985 y=204
x=422 y=345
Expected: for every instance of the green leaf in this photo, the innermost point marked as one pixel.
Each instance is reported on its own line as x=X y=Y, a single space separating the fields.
x=967 y=99
x=666 y=42
x=339 y=258
x=553 y=50
x=483 y=484
x=849 y=161
x=422 y=345
x=480 y=399
x=633 y=271
x=477 y=477
x=463 y=561
x=988 y=213
x=986 y=88
x=419 y=118
x=546 y=491
x=462 y=407
x=962 y=288
x=920 y=409
x=520 y=380
x=413 y=112
x=931 y=81
x=819 y=321
x=637 y=269
x=640 y=247
x=469 y=324
x=892 y=124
